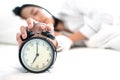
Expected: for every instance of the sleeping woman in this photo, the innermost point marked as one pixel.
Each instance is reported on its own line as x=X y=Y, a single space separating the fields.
x=69 y=28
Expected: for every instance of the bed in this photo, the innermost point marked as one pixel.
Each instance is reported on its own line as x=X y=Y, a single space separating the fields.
x=75 y=64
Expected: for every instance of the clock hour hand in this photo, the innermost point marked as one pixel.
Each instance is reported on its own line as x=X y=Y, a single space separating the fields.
x=35 y=58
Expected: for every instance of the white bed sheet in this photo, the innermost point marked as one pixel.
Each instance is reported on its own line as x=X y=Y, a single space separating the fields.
x=75 y=64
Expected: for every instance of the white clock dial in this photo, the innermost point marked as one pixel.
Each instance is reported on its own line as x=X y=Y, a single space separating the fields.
x=37 y=54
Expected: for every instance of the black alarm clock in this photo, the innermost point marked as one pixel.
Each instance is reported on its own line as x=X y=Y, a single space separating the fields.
x=37 y=54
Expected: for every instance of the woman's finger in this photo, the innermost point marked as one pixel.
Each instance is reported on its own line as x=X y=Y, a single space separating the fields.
x=44 y=27
x=30 y=23
x=23 y=32
x=50 y=27
x=18 y=38
x=40 y=26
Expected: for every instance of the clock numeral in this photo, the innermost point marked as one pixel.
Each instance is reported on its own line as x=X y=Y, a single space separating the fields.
x=25 y=54
x=43 y=44
x=50 y=54
x=43 y=64
x=27 y=49
x=37 y=66
x=26 y=60
x=48 y=60
x=47 y=48
x=31 y=44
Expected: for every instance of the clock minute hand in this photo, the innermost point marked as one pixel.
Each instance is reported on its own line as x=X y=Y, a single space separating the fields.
x=37 y=54
x=36 y=47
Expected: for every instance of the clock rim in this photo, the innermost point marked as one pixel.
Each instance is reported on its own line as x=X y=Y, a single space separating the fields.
x=53 y=59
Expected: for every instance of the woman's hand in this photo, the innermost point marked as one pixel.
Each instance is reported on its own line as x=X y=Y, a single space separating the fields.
x=34 y=27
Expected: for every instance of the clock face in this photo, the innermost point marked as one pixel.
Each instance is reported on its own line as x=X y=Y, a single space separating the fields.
x=36 y=54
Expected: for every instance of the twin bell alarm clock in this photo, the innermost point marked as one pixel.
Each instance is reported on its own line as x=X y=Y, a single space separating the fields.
x=37 y=54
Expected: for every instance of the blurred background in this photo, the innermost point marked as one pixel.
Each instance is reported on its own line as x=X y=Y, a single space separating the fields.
x=9 y=23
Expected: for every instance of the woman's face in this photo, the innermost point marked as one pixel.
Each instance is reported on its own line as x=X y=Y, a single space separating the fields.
x=38 y=14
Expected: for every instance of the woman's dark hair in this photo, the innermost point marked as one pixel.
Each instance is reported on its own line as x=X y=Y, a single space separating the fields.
x=17 y=11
